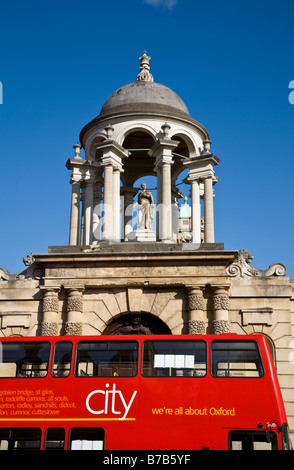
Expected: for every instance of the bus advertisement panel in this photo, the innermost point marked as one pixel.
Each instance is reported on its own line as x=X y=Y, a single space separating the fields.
x=140 y=392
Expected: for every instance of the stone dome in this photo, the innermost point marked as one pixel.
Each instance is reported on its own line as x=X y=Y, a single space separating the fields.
x=144 y=96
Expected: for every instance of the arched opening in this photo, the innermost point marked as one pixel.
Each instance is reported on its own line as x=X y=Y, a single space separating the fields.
x=137 y=324
x=139 y=163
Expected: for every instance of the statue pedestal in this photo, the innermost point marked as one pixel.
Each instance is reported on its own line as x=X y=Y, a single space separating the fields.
x=142 y=236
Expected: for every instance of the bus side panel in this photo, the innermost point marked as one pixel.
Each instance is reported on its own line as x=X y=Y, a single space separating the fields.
x=110 y=403
x=245 y=403
x=173 y=413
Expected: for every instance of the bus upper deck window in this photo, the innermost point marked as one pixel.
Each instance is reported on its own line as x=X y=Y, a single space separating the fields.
x=62 y=359
x=24 y=359
x=106 y=359
x=86 y=439
x=236 y=359
x=20 y=438
x=178 y=358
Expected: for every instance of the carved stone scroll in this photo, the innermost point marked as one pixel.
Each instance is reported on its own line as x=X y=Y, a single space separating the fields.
x=240 y=268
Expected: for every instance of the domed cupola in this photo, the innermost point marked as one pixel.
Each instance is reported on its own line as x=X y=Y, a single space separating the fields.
x=144 y=129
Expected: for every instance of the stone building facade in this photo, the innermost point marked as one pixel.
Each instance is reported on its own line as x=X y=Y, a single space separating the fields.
x=122 y=274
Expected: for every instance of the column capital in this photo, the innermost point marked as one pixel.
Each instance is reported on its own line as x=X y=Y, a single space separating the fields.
x=201 y=167
x=193 y=289
x=163 y=148
x=74 y=288
x=112 y=152
x=50 y=289
x=222 y=288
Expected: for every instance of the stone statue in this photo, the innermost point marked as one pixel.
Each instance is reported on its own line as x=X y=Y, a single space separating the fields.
x=145 y=209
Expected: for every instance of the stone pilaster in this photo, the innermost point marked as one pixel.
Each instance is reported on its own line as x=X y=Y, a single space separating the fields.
x=220 y=322
x=50 y=308
x=196 y=311
x=74 y=324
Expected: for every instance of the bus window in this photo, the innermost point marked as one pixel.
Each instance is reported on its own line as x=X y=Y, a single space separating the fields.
x=20 y=438
x=106 y=359
x=236 y=359
x=86 y=439
x=62 y=359
x=24 y=359
x=54 y=439
x=253 y=440
x=178 y=358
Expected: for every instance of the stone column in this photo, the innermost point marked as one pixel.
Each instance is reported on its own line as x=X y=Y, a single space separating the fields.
x=111 y=161
x=74 y=323
x=74 y=213
x=201 y=169
x=88 y=208
x=107 y=223
x=50 y=308
x=166 y=219
x=195 y=211
x=162 y=151
x=83 y=177
x=175 y=196
x=128 y=194
x=196 y=312
x=220 y=322
x=158 y=171
x=208 y=211
x=116 y=203
x=97 y=210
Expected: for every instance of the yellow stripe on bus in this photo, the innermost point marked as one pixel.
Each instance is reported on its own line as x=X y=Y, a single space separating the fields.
x=67 y=419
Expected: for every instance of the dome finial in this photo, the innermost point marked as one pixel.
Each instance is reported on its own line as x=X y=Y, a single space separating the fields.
x=145 y=74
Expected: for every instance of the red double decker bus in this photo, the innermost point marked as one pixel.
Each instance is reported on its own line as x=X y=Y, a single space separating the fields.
x=140 y=392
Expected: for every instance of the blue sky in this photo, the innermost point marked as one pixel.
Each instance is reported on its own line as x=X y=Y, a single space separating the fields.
x=231 y=63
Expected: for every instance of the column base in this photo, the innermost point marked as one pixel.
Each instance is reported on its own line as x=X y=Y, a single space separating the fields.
x=142 y=236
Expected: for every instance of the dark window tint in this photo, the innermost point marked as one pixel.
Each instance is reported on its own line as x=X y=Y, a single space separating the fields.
x=24 y=359
x=62 y=359
x=54 y=439
x=20 y=438
x=107 y=359
x=236 y=359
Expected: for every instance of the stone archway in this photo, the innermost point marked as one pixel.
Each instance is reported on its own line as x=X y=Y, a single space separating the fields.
x=137 y=324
